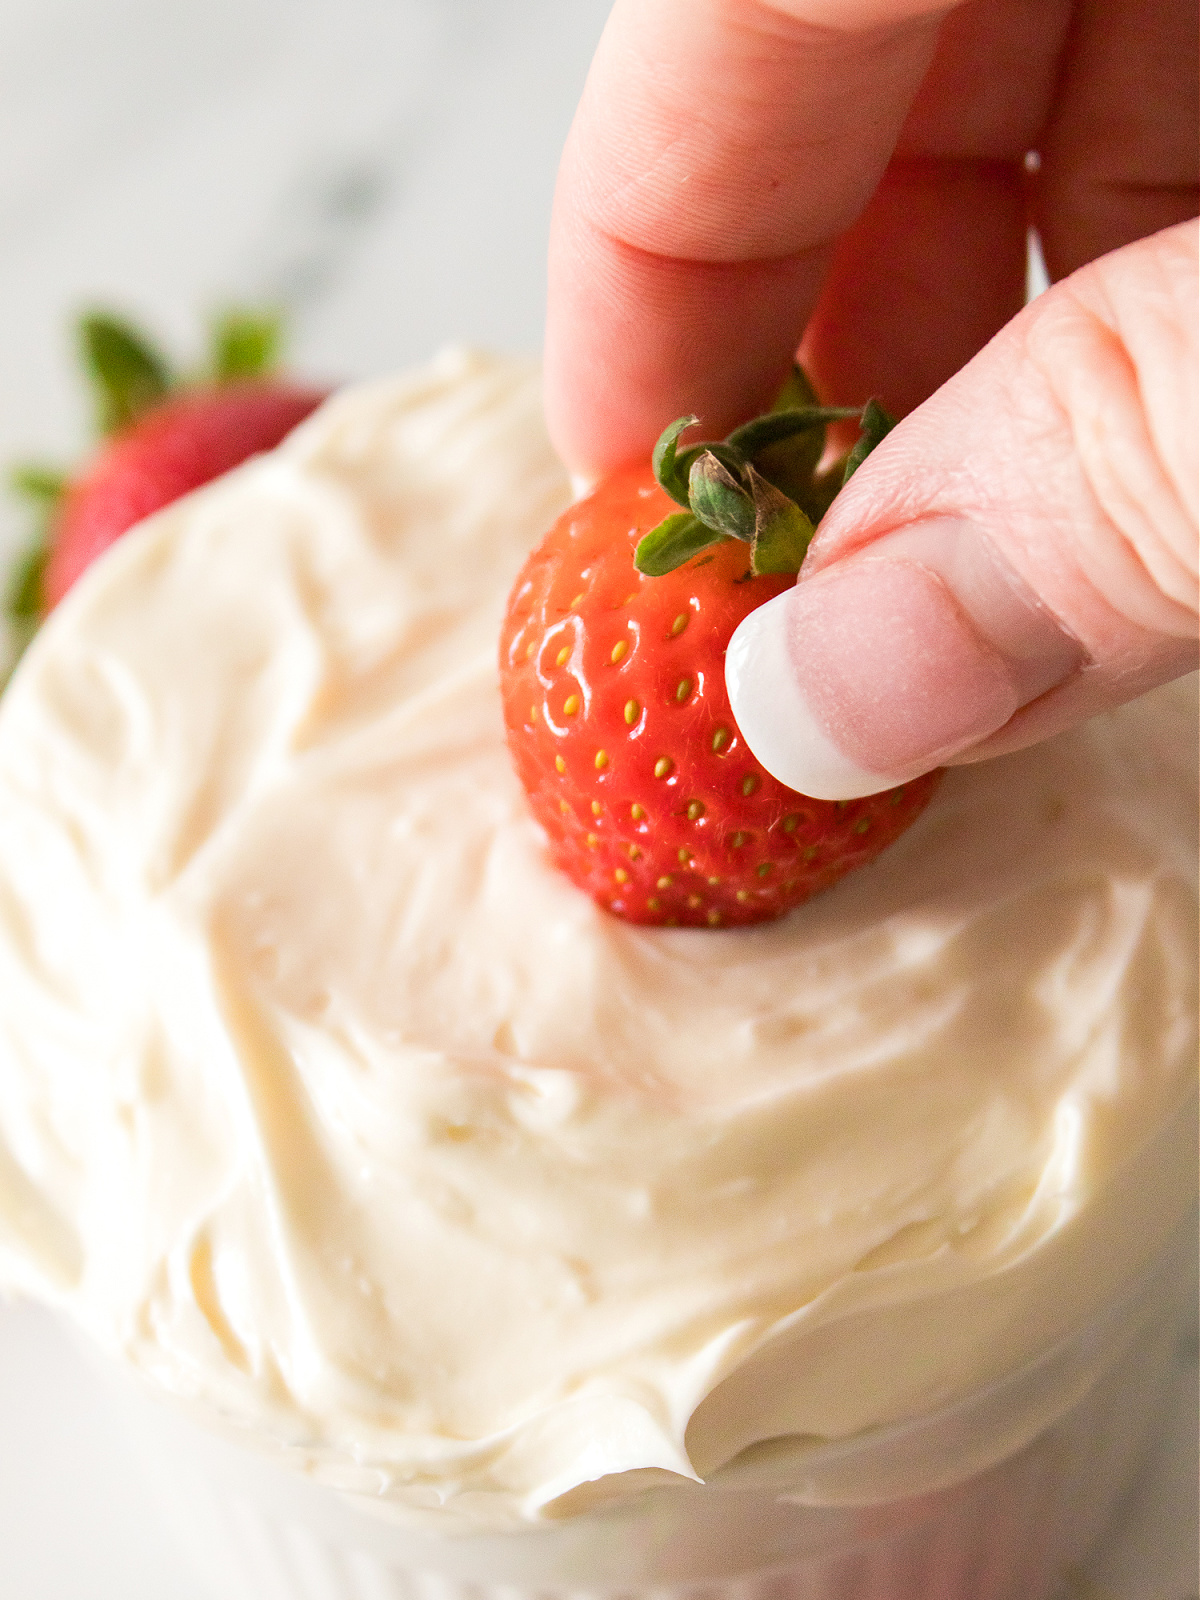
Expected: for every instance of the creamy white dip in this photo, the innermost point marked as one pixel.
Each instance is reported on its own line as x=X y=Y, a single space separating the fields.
x=328 y=1105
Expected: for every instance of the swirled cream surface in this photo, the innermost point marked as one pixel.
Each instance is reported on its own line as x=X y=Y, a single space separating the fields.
x=328 y=1105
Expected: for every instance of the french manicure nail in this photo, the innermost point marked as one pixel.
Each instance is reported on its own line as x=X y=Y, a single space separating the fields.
x=892 y=661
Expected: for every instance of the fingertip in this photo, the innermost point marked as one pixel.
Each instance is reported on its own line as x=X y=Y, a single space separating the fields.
x=635 y=339
x=687 y=250
x=891 y=662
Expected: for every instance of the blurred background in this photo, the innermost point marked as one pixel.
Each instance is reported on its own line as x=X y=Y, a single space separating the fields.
x=382 y=169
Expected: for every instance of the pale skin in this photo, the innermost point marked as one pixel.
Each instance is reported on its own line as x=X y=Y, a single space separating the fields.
x=849 y=178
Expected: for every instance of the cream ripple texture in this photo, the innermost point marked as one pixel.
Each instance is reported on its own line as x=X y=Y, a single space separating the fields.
x=327 y=1105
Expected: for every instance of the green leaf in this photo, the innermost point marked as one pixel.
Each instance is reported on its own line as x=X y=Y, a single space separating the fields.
x=670 y=471
x=797 y=392
x=129 y=377
x=822 y=491
x=246 y=344
x=782 y=533
x=728 y=455
x=43 y=486
x=786 y=446
x=23 y=598
x=775 y=426
x=718 y=499
x=876 y=424
x=24 y=601
x=676 y=539
x=769 y=467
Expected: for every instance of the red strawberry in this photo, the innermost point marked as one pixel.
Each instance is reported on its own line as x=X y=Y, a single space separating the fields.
x=186 y=441
x=162 y=439
x=614 y=689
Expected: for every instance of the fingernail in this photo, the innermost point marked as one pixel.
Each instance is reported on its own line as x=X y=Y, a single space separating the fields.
x=892 y=661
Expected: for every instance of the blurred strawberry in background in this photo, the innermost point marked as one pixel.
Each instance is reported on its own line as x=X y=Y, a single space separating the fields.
x=162 y=433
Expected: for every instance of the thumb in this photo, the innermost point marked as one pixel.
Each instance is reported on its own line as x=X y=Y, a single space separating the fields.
x=1018 y=554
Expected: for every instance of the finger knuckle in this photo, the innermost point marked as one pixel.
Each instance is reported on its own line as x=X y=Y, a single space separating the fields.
x=1117 y=350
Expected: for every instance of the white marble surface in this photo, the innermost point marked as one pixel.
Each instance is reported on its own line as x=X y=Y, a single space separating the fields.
x=384 y=168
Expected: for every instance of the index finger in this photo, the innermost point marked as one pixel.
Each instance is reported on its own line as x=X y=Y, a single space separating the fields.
x=698 y=198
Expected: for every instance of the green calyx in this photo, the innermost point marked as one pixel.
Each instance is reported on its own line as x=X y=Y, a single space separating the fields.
x=762 y=484
x=41 y=488
x=127 y=375
x=130 y=376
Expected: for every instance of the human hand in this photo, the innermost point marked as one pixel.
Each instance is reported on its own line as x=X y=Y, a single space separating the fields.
x=1021 y=551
